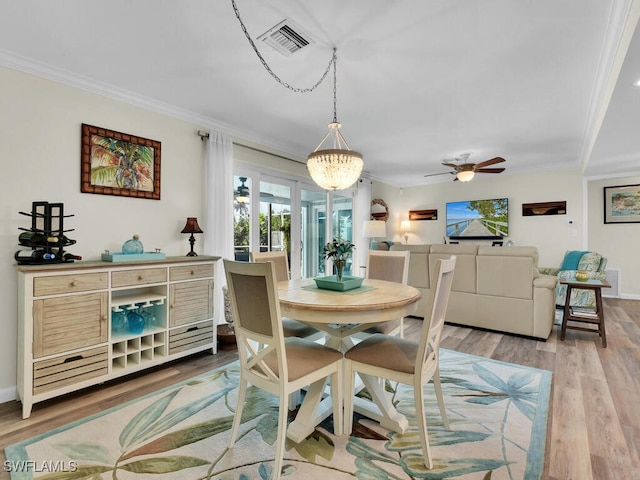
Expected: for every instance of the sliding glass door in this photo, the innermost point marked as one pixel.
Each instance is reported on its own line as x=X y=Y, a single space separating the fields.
x=264 y=219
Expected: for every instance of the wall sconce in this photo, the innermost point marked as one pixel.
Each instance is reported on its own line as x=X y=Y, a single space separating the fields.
x=405 y=227
x=192 y=227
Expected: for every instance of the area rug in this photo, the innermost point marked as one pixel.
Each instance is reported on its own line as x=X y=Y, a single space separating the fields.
x=497 y=411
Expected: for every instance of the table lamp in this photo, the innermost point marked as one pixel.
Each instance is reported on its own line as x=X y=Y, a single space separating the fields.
x=373 y=229
x=192 y=227
x=405 y=227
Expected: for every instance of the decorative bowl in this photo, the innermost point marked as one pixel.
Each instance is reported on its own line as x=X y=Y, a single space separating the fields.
x=582 y=275
x=331 y=283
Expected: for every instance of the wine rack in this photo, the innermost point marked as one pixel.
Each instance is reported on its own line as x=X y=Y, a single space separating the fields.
x=46 y=238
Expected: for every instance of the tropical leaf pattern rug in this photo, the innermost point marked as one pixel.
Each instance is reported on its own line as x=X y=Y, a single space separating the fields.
x=498 y=415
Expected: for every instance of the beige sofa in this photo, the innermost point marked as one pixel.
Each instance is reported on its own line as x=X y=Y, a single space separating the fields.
x=497 y=288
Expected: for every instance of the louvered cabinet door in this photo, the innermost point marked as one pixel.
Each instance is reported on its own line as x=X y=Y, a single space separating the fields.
x=62 y=324
x=190 y=302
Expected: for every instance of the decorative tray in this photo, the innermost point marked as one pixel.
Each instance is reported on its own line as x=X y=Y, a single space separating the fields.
x=331 y=283
x=132 y=257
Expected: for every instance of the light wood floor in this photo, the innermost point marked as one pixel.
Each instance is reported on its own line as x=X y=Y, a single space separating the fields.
x=594 y=421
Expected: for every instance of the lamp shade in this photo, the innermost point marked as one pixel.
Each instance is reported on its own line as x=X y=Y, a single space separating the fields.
x=191 y=226
x=335 y=169
x=405 y=226
x=374 y=229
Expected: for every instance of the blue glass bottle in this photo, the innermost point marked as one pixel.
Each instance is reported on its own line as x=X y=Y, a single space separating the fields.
x=133 y=245
x=135 y=322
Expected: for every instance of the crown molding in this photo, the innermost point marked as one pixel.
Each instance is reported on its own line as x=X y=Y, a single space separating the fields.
x=70 y=79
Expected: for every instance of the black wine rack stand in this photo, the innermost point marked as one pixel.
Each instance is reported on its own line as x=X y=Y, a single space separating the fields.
x=47 y=237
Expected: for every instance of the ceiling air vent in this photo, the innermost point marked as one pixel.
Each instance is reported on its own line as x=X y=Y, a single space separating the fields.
x=286 y=38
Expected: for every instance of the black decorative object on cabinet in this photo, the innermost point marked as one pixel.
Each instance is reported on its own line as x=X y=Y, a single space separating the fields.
x=46 y=238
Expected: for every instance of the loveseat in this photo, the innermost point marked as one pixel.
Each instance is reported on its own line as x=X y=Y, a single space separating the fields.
x=497 y=288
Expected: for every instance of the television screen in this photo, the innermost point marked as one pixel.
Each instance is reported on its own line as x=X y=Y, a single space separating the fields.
x=477 y=219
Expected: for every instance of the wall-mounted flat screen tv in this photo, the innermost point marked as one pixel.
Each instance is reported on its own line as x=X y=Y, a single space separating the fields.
x=478 y=219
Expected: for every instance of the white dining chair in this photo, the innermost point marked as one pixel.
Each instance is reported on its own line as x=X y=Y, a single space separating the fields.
x=291 y=327
x=404 y=361
x=269 y=361
x=392 y=266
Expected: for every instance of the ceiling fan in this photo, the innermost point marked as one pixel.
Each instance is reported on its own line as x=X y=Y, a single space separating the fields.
x=465 y=171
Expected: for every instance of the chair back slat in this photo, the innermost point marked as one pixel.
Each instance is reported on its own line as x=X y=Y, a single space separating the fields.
x=434 y=317
x=279 y=259
x=392 y=266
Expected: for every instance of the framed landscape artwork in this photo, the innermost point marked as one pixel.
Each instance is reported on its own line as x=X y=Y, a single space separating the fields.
x=114 y=163
x=622 y=204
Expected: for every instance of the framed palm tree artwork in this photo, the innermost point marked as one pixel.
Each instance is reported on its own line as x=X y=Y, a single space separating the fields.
x=114 y=163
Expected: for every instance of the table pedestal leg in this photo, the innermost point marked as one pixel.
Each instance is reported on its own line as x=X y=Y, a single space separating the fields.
x=381 y=409
x=313 y=410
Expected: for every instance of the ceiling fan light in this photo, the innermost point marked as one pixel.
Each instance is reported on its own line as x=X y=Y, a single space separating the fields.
x=465 y=175
x=335 y=169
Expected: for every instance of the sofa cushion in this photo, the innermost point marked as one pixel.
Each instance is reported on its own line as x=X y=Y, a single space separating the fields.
x=464 y=276
x=418 y=264
x=571 y=259
x=509 y=274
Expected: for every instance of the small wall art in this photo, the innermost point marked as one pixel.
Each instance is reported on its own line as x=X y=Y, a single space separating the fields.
x=622 y=204
x=423 y=214
x=114 y=163
x=544 y=208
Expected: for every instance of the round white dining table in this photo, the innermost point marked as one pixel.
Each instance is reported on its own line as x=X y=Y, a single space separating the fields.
x=341 y=315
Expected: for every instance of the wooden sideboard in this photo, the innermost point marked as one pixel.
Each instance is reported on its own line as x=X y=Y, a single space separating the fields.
x=67 y=336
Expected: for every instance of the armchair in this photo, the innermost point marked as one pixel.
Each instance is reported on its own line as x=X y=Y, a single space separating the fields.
x=575 y=260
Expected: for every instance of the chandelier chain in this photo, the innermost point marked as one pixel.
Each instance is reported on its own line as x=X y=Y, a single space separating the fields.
x=276 y=77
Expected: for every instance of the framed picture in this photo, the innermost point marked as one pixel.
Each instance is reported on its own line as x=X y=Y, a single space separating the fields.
x=622 y=204
x=114 y=163
x=423 y=214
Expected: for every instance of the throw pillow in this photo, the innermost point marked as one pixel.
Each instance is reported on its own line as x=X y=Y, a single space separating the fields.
x=571 y=260
x=590 y=261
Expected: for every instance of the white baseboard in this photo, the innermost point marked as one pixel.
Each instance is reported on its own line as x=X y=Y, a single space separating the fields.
x=8 y=394
x=629 y=296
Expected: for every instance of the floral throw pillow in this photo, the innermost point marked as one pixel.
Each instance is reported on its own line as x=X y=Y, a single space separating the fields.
x=590 y=262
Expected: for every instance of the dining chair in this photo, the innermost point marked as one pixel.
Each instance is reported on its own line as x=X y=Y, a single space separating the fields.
x=269 y=361
x=392 y=266
x=291 y=327
x=405 y=361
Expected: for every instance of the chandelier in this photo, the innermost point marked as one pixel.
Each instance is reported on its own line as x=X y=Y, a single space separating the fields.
x=334 y=168
x=339 y=167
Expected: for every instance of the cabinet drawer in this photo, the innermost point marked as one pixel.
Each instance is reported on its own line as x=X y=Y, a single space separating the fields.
x=186 y=338
x=61 y=324
x=190 y=302
x=69 y=369
x=58 y=284
x=131 y=278
x=177 y=274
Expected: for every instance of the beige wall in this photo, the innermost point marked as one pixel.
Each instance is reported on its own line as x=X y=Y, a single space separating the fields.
x=619 y=240
x=550 y=234
x=40 y=125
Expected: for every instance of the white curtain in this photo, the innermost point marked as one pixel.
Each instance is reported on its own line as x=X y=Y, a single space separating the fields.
x=218 y=209
x=363 y=209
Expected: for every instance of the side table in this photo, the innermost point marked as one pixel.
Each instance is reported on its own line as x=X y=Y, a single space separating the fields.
x=584 y=315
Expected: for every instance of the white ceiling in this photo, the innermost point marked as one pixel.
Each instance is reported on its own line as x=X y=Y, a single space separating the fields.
x=417 y=80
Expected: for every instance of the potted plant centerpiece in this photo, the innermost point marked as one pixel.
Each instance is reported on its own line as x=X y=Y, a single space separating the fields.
x=338 y=251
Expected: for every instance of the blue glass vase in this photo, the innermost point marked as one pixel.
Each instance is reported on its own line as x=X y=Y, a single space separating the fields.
x=133 y=245
x=135 y=322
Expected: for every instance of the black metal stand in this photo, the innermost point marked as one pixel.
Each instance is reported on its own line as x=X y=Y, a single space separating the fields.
x=47 y=239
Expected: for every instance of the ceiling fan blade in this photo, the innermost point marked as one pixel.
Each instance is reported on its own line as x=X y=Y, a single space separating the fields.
x=452 y=165
x=442 y=173
x=489 y=170
x=491 y=161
